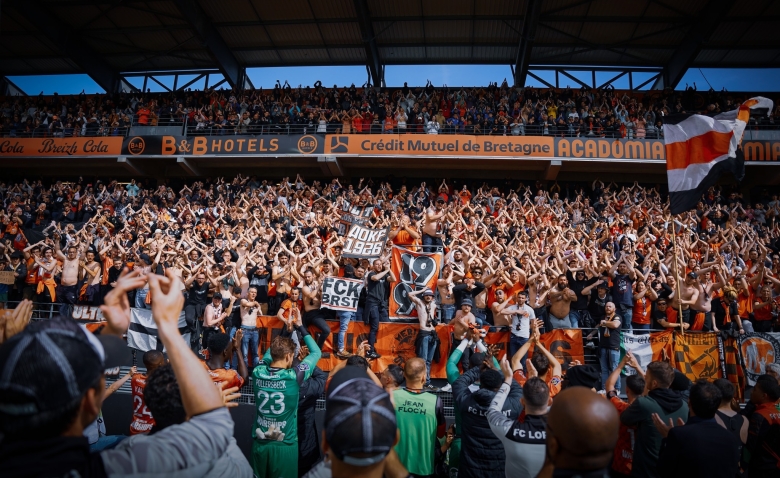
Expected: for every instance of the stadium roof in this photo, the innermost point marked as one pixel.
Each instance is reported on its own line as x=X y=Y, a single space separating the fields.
x=107 y=38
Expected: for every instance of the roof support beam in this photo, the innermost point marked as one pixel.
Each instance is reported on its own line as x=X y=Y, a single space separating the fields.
x=707 y=21
x=330 y=166
x=552 y=169
x=369 y=43
x=532 y=10
x=213 y=41
x=188 y=166
x=70 y=44
x=9 y=88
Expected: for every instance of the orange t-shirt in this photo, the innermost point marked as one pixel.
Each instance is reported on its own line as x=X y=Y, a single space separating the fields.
x=232 y=377
x=624 y=448
x=745 y=302
x=142 y=417
x=287 y=305
x=403 y=238
x=642 y=308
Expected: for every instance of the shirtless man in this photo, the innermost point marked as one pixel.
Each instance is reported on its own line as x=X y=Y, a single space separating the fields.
x=461 y=325
x=480 y=299
x=561 y=298
x=92 y=275
x=689 y=294
x=67 y=291
x=281 y=275
x=703 y=303
x=445 y=285
x=313 y=315
x=431 y=236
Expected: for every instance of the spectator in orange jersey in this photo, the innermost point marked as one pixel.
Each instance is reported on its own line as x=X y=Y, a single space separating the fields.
x=635 y=385
x=220 y=350
x=143 y=421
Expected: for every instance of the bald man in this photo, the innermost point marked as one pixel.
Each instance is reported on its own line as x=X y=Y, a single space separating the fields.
x=582 y=429
x=420 y=417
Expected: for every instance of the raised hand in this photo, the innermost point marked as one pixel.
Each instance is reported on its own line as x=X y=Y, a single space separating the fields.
x=116 y=306
x=13 y=321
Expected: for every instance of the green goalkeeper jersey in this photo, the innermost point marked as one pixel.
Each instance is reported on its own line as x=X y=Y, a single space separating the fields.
x=276 y=396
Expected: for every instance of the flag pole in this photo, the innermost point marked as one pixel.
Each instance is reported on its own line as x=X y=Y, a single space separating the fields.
x=677 y=278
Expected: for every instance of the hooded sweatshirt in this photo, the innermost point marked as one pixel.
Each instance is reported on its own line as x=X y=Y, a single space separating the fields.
x=667 y=404
x=482 y=453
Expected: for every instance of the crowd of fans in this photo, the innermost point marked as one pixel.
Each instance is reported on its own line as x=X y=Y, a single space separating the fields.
x=495 y=110
x=601 y=257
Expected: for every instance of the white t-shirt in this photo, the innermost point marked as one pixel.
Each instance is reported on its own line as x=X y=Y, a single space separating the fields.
x=521 y=320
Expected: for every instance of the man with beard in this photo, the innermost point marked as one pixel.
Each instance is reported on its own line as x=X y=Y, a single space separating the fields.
x=561 y=298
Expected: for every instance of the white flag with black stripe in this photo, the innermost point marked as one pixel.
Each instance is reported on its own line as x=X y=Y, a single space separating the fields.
x=142 y=333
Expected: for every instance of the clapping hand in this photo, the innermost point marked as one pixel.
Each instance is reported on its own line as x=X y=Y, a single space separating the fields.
x=13 y=321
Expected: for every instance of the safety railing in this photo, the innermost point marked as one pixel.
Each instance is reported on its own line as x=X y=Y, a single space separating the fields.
x=100 y=130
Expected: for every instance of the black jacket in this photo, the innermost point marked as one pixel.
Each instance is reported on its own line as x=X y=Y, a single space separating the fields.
x=461 y=291
x=482 y=453
x=308 y=438
x=701 y=448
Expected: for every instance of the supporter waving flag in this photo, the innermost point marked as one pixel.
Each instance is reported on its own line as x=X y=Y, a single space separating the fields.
x=700 y=149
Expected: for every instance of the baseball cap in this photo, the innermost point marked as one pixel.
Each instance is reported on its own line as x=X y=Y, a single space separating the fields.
x=360 y=423
x=217 y=295
x=467 y=302
x=50 y=365
x=427 y=293
x=145 y=258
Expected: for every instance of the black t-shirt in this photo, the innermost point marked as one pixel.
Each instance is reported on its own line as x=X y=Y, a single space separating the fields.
x=577 y=285
x=613 y=340
x=596 y=305
x=378 y=290
x=198 y=294
x=719 y=311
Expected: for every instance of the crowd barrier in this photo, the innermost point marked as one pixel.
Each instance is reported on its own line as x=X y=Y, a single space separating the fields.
x=698 y=355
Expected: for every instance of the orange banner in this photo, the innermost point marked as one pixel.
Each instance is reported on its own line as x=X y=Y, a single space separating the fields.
x=440 y=145
x=414 y=271
x=395 y=343
x=61 y=147
x=564 y=344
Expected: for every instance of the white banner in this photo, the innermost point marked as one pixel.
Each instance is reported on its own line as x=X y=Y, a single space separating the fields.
x=87 y=313
x=364 y=243
x=142 y=333
x=339 y=293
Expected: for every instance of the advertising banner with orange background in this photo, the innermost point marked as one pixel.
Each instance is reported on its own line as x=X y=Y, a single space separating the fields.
x=61 y=147
x=414 y=271
x=439 y=145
